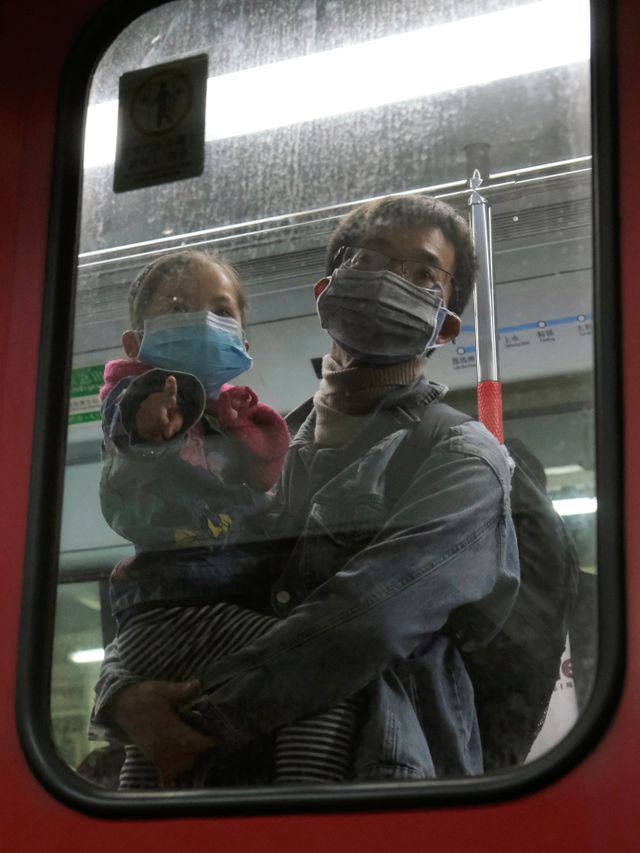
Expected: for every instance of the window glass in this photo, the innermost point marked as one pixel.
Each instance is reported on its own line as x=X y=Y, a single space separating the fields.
x=314 y=108
x=77 y=652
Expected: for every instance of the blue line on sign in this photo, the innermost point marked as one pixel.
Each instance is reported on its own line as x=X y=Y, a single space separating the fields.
x=562 y=321
x=540 y=324
x=523 y=327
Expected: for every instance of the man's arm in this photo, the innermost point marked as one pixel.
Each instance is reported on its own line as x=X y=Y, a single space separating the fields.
x=146 y=714
x=450 y=542
x=112 y=678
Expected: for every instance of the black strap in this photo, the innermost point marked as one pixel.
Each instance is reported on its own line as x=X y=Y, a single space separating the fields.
x=383 y=422
x=430 y=425
x=426 y=425
x=298 y=416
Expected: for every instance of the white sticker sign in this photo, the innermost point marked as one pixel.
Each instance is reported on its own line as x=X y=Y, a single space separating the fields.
x=161 y=123
x=562 y=713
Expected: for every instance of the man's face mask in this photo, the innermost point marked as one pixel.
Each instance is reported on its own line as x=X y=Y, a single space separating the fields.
x=378 y=317
x=209 y=346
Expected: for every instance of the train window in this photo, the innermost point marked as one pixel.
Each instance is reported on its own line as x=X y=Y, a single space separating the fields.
x=178 y=553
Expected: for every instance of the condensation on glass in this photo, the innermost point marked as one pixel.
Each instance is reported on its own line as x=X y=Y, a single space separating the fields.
x=282 y=164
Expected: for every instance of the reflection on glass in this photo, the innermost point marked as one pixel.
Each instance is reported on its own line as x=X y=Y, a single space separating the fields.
x=301 y=128
x=77 y=655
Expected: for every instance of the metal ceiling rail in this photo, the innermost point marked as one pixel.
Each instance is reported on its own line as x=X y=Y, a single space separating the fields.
x=510 y=180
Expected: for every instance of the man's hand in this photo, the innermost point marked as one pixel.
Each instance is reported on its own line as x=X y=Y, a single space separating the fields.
x=159 y=417
x=147 y=713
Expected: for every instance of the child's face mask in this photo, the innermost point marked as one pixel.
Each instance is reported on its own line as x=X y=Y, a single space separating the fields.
x=204 y=344
x=380 y=318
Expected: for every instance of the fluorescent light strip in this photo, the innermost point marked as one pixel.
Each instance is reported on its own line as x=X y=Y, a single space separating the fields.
x=87 y=656
x=575 y=506
x=463 y=53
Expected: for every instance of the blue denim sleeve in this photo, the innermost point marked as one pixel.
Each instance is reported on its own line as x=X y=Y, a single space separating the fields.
x=112 y=678
x=449 y=542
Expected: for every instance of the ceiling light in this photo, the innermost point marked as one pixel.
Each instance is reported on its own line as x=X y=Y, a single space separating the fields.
x=468 y=52
x=575 y=506
x=87 y=656
x=562 y=470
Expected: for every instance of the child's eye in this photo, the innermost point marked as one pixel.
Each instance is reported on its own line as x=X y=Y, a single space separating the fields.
x=223 y=312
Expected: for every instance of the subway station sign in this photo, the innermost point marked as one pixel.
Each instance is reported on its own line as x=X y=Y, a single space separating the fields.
x=84 y=402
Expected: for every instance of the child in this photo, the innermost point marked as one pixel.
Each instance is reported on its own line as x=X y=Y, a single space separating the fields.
x=188 y=463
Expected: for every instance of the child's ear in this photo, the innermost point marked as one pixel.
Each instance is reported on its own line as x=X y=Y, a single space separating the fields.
x=131 y=343
x=320 y=286
x=246 y=345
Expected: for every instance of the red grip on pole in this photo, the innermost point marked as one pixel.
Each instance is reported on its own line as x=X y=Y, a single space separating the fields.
x=490 y=407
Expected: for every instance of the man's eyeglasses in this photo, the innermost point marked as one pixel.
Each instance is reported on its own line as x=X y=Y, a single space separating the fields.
x=417 y=272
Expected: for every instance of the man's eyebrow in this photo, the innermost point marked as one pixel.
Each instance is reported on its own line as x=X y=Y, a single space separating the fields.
x=418 y=255
x=429 y=257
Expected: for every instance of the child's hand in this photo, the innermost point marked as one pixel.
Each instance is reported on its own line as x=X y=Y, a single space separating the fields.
x=159 y=417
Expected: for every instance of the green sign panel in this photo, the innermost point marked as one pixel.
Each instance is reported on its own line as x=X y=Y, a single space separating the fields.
x=84 y=404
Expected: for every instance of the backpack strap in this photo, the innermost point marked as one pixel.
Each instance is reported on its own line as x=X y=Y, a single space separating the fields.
x=298 y=416
x=427 y=425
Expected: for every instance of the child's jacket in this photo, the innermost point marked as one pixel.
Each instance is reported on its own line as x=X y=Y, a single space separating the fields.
x=193 y=505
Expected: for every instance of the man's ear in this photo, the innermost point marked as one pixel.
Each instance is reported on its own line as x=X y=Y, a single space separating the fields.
x=131 y=343
x=450 y=329
x=320 y=286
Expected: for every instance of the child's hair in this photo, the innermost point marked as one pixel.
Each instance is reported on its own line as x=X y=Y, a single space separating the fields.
x=154 y=274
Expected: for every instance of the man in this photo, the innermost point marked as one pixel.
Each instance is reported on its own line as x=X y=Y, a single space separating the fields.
x=372 y=578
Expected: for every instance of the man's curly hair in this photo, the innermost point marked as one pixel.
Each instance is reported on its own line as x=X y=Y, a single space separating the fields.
x=411 y=211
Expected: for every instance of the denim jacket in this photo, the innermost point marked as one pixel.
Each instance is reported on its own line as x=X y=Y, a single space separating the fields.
x=367 y=594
